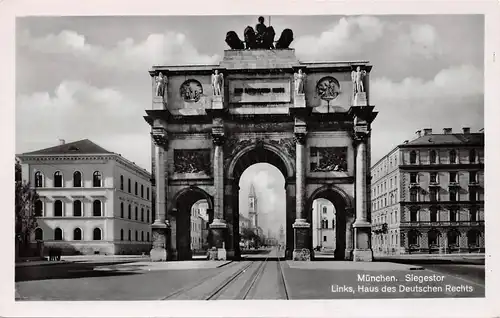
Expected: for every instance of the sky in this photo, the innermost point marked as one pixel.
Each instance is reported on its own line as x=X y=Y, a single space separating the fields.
x=87 y=77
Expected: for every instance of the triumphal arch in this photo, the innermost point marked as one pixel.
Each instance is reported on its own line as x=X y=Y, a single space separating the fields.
x=311 y=120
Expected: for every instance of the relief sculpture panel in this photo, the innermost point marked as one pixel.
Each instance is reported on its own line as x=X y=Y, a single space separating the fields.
x=192 y=161
x=326 y=159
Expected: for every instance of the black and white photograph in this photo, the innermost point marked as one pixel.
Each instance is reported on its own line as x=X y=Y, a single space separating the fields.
x=268 y=156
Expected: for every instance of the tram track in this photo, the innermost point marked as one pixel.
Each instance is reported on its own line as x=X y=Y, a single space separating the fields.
x=239 y=281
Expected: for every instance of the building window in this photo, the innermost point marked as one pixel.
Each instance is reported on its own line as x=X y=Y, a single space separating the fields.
x=97 y=179
x=432 y=156
x=58 y=180
x=136 y=236
x=324 y=238
x=77 y=208
x=136 y=213
x=97 y=235
x=142 y=236
x=472 y=176
x=77 y=179
x=433 y=214
x=452 y=237
x=413 y=195
x=121 y=183
x=147 y=193
x=326 y=224
x=396 y=217
x=142 y=214
x=413 y=157
x=433 y=194
x=472 y=156
x=433 y=237
x=129 y=212
x=453 y=215
x=38 y=234
x=121 y=235
x=413 y=238
x=453 y=195
x=147 y=216
x=129 y=186
x=473 y=238
x=413 y=177
x=58 y=208
x=453 y=156
x=38 y=179
x=324 y=210
x=333 y=223
x=97 y=208
x=38 y=208
x=77 y=234
x=434 y=177
x=129 y=235
x=58 y=234
x=142 y=191
x=136 y=189
x=122 y=212
x=147 y=236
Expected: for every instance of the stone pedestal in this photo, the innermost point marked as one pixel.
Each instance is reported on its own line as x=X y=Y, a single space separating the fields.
x=158 y=103
x=360 y=99
x=217 y=102
x=299 y=100
x=218 y=229
x=302 y=250
x=362 y=247
x=161 y=235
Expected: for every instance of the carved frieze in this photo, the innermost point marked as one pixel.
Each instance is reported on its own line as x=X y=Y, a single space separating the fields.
x=192 y=161
x=326 y=159
x=191 y=90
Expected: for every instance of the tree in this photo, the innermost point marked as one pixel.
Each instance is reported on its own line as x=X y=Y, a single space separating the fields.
x=25 y=198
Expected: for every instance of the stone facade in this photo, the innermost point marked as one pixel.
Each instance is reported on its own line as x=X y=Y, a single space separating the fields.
x=91 y=200
x=318 y=140
x=428 y=195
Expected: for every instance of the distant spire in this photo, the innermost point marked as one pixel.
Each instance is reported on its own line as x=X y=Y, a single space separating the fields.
x=252 y=191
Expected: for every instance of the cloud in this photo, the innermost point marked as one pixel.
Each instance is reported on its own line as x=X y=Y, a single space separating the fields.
x=166 y=48
x=343 y=38
x=76 y=110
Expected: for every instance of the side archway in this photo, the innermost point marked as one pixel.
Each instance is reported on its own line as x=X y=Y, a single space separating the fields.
x=344 y=217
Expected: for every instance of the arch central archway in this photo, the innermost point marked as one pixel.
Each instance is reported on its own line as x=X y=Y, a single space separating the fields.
x=248 y=156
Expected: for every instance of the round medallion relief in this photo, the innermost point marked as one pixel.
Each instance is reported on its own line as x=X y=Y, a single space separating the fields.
x=328 y=88
x=191 y=90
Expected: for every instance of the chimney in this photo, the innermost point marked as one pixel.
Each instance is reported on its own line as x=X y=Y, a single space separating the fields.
x=427 y=131
x=466 y=130
x=418 y=133
x=62 y=141
x=447 y=131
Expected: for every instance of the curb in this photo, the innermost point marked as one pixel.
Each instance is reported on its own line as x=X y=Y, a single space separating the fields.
x=226 y=263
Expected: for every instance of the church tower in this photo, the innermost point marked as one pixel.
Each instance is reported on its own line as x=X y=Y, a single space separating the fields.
x=252 y=208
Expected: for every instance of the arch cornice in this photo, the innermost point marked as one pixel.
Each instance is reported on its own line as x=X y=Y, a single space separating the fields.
x=290 y=168
x=333 y=188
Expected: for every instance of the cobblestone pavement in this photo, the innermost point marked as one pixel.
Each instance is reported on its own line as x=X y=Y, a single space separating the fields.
x=255 y=277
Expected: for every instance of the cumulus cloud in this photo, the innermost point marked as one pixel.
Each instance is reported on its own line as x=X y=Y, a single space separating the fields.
x=76 y=110
x=160 y=48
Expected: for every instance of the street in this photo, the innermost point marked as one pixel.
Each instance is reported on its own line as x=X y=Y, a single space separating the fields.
x=260 y=276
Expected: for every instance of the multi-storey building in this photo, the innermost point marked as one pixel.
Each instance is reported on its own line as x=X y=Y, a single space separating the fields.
x=323 y=224
x=427 y=195
x=91 y=200
x=196 y=229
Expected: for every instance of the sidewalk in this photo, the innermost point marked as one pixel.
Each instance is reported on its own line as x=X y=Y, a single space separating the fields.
x=85 y=259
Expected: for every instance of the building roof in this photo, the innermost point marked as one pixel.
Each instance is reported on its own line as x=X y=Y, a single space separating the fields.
x=447 y=139
x=81 y=147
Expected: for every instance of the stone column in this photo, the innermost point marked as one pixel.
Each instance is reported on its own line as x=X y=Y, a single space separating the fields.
x=160 y=228
x=301 y=227
x=218 y=225
x=362 y=228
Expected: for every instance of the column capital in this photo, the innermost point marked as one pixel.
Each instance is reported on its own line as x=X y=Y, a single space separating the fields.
x=300 y=137
x=218 y=139
x=159 y=135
